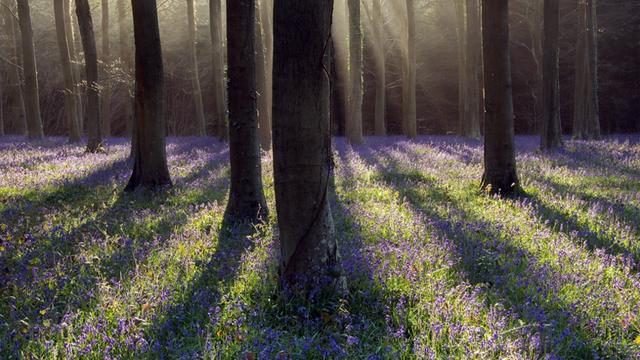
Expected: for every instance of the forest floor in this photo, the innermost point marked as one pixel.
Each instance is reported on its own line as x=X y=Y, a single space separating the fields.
x=435 y=268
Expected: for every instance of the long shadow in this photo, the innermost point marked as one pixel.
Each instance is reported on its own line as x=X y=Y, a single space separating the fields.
x=513 y=275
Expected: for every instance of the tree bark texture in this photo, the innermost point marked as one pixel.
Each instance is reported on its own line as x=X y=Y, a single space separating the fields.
x=551 y=135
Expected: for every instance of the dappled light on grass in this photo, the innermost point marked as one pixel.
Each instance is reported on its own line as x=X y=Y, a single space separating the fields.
x=434 y=267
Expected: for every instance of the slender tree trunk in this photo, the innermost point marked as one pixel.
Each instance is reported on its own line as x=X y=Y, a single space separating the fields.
x=551 y=136
x=71 y=108
x=219 y=77
x=246 y=197
x=15 y=92
x=150 y=170
x=201 y=124
x=105 y=98
x=75 y=63
x=586 y=122
x=410 y=125
x=302 y=142
x=94 y=129
x=124 y=41
x=354 y=117
x=473 y=71
x=460 y=6
x=500 y=176
x=32 y=98
x=264 y=65
x=381 y=86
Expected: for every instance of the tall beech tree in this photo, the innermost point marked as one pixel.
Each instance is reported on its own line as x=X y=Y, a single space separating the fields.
x=105 y=98
x=264 y=70
x=217 y=62
x=353 y=126
x=586 y=117
x=85 y=23
x=70 y=106
x=150 y=170
x=302 y=141
x=31 y=91
x=551 y=136
x=500 y=176
x=75 y=61
x=14 y=90
x=201 y=124
x=410 y=125
x=380 y=68
x=246 y=196
x=469 y=68
x=124 y=47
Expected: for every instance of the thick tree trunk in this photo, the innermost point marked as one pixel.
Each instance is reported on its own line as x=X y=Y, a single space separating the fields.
x=94 y=129
x=473 y=71
x=500 y=176
x=150 y=169
x=302 y=142
x=201 y=124
x=124 y=42
x=219 y=77
x=410 y=124
x=15 y=102
x=246 y=197
x=105 y=98
x=31 y=94
x=586 y=121
x=381 y=86
x=551 y=136
x=354 y=117
x=76 y=67
x=70 y=106
x=264 y=67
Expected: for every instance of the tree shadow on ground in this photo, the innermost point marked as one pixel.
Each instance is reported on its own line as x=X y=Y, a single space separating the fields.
x=512 y=275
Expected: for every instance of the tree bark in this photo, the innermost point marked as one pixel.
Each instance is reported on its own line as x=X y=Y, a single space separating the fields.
x=76 y=67
x=94 y=129
x=381 y=86
x=302 y=142
x=31 y=94
x=150 y=170
x=105 y=98
x=219 y=77
x=410 y=125
x=15 y=104
x=551 y=136
x=500 y=176
x=264 y=67
x=71 y=108
x=461 y=27
x=246 y=196
x=354 y=117
x=586 y=121
x=201 y=124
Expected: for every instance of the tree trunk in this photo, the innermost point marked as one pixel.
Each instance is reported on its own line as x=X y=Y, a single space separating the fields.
x=201 y=124
x=125 y=56
x=150 y=169
x=15 y=101
x=264 y=67
x=302 y=142
x=219 y=77
x=473 y=71
x=354 y=117
x=460 y=6
x=32 y=99
x=551 y=136
x=94 y=129
x=586 y=121
x=70 y=106
x=76 y=67
x=500 y=176
x=105 y=92
x=246 y=197
x=410 y=125
x=381 y=86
